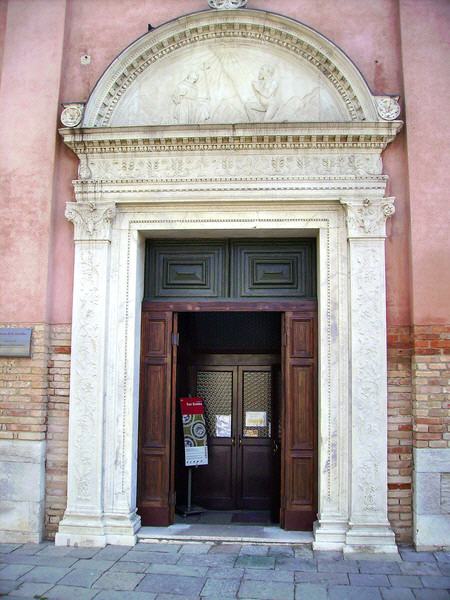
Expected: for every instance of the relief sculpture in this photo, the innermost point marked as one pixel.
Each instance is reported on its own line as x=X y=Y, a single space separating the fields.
x=226 y=84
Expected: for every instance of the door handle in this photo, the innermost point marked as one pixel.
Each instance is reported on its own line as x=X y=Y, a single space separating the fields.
x=240 y=441
x=275 y=446
x=233 y=441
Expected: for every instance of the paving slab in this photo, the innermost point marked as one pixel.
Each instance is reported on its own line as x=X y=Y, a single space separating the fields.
x=281 y=550
x=425 y=568
x=230 y=573
x=92 y=564
x=442 y=556
x=157 y=547
x=31 y=590
x=84 y=552
x=397 y=594
x=208 y=560
x=367 y=580
x=156 y=557
x=296 y=564
x=173 y=597
x=432 y=594
x=63 y=592
x=220 y=588
x=112 y=552
x=269 y=575
x=129 y=567
x=329 y=578
x=225 y=549
x=178 y=570
x=118 y=581
x=14 y=571
x=431 y=581
x=32 y=548
x=45 y=574
x=195 y=548
x=254 y=550
x=444 y=568
x=7 y=548
x=384 y=568
x=337 y=566
x=266 y=590
x=7 y=585
x=409 y=581
x=171 y=584
x=343 y=592
x=83 y=578
x=111 y=595
x=250 y=561
x=311 y=591
x=413 y=556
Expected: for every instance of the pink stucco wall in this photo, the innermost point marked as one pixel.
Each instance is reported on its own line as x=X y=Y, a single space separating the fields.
x=369 y=32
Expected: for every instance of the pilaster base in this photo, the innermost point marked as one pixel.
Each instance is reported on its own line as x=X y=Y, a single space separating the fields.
x=329 y=535
x=98 y=531
x=368 y=537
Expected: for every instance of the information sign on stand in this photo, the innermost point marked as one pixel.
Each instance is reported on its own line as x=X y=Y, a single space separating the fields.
x=195 y=445
x=194 y=430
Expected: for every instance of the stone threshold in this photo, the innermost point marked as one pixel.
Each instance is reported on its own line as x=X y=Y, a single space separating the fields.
x=223 y=533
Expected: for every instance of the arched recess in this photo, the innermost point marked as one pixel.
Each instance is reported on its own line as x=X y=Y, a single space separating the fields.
x=213 y=57
x=287 y=141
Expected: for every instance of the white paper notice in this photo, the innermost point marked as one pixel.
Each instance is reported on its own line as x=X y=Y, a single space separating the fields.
x=255 y=419
x=223 y=425
x=196 y=455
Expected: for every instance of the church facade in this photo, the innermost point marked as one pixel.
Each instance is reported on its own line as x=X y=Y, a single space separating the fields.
x=241 y=201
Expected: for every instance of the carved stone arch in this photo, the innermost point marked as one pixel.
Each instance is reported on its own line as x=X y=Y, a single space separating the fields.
x=170 y=54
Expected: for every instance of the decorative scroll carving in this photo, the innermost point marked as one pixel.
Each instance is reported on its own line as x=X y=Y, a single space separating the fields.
x=368 y=380
x=388 y=107
x=367 y=218
x=227 y=4
x=72 y=114
x=92 y=221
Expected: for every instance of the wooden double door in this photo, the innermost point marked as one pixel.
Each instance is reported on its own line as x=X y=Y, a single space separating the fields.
x=243 y=477
x=242 y=404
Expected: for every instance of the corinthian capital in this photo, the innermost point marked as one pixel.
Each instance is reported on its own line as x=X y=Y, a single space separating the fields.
x=367 y=217
x=92 y=221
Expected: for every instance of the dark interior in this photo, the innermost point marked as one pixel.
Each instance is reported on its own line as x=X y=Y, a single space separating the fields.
x=232 y=361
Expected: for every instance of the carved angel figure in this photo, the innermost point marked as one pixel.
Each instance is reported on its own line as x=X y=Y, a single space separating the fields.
x=188 y=106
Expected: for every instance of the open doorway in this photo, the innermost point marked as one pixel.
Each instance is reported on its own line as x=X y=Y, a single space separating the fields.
x=232 y=360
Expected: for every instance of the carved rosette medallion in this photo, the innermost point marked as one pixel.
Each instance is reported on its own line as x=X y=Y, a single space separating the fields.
x=92 y=221
x=72 y=114
x=227 y=4
x=388 y=107
x=367 y=218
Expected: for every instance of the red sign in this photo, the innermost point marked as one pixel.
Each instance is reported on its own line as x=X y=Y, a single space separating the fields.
x=191 y=406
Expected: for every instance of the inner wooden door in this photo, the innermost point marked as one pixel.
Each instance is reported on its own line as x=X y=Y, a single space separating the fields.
x=241 y=407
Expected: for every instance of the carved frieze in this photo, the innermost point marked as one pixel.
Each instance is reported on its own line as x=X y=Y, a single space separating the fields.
x=367 y=217
x=92 y=221
x=233 y=166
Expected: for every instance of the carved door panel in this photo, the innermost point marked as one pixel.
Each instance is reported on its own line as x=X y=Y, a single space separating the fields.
x=299 y=480
x=156 y=423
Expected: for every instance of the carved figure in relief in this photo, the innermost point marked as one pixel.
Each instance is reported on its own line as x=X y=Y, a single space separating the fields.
x=188 y=106
x=265 y=89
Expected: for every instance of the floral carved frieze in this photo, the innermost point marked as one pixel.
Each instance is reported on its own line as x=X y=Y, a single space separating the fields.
x=92 y=221
x=367 y=217
x=233 y=166
x=227 y=4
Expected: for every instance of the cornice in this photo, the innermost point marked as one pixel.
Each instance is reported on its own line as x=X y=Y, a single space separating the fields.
x=258 y=136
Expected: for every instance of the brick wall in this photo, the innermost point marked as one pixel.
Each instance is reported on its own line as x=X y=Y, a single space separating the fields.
x=57 y=427
x=400 y=435
x=23 y=389
x=431 y=386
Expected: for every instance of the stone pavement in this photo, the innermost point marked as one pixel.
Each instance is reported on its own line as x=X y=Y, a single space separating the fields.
x=166 y=571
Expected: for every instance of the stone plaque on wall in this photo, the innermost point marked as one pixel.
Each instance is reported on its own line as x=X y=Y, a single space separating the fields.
x=15 y=341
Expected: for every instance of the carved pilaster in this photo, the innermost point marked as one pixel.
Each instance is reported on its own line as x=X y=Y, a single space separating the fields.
x=83 y=518
x=367 y=217
x=92 y=220
x=368 y=525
